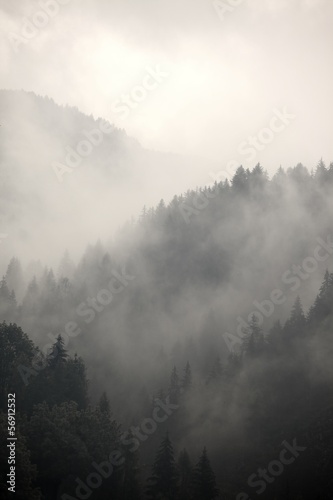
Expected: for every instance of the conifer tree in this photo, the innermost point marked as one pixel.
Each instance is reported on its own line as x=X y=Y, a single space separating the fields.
x=187 y=378
x=163 y=484
x=322 y=306
x=254 y=339
x=58 y=354
x=204 y=479
x=8 y=303
x=296 y=324
x=185 y=477
x=14 y=277
x=240 y=180
x=75 y=380
x=131 y=488
x=104 y=404
x=30 y=303
x=174 y=390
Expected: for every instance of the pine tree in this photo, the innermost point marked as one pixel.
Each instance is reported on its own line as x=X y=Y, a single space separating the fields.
x=24 y=468
x=75 y=380
x=321 y=173
x=325 y=285
x=58 y=354
x=16 y=354
x=8 y=305
x=187 y=378
x=131 y=489
x=295 y=326
x=185 y=476
x=30 y=303
x=240 y=180
x=66 y=267
x=322 y=305
x=164 y=479
x=254 y=339
x=204 y=479
x=258 y=178
x=104 y=404
x=174 y=390
x=14 y=277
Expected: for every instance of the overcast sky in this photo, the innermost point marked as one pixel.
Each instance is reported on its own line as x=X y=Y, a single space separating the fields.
x=226 y=74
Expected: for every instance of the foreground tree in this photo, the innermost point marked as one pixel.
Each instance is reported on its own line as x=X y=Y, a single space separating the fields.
x=185 y=477
x=204 y=479
x=164 y=479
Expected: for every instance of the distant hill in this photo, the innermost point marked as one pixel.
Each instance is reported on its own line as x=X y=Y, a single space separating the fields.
x=54 y=185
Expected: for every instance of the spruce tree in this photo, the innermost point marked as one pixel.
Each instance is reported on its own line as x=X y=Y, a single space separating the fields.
x=174 y=390
x=296 y=324
x=204 y=479
x=131 y=489
x=8 y=303
x=14 y=277
x=187 y=378
x=254 y=340
x=58 y=354
x=163 y=484
x=185 y=476
x=104 y=404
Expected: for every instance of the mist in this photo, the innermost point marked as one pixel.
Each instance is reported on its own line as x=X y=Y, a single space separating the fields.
x=166 y=180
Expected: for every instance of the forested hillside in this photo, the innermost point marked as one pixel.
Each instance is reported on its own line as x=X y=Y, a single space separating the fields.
x=189 y=358
x=61 y=171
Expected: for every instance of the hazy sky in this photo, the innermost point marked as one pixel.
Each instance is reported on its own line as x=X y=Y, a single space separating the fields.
x=226 y=74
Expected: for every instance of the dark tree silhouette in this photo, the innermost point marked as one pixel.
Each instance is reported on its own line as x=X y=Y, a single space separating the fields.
x=163 y=484
x=204 y=479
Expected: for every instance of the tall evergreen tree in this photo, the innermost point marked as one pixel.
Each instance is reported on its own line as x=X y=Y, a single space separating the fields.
x=187 y=377
x=163 y=484
x=8 y=305
x=185 y=476
x=240 y=180
x=174 y=390
x=131 y=488
x=322 y=306
x=30 y=303
x=204 y=479
x=14 y=277
x=296 y=324
x=254 y=340
x=104 y=404
x=58 y=354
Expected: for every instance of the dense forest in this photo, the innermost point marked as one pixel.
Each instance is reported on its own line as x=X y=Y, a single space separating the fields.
x=188 y=358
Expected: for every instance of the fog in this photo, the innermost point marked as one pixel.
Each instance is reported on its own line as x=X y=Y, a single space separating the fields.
x=166 y=184
x=226 y=76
